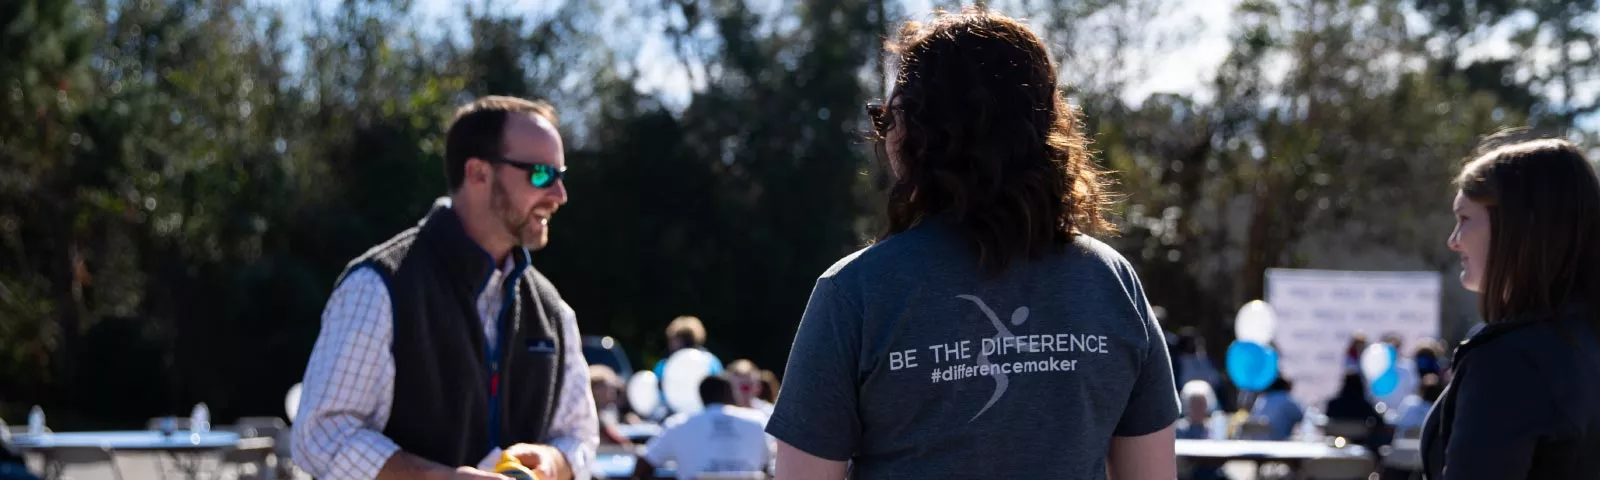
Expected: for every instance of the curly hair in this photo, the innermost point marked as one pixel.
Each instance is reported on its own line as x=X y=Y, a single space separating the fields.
x=985 y=135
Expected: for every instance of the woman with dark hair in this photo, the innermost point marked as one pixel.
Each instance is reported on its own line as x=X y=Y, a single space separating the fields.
x=1351 y=403
x=1525 y=398
x=986 y=334
x=1351 y=409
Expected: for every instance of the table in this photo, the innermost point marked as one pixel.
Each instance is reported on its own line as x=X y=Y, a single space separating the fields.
x=178 y=442
x=639 y=432
x=618 y=462
x=614 y=464
x=181 y=440
x=1301 y=457
x=1264 y=450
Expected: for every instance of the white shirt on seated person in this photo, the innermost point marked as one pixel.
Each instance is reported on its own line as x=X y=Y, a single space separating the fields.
x=721 y=438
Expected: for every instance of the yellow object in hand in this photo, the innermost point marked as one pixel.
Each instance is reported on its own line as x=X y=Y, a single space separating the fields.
x=511 y=467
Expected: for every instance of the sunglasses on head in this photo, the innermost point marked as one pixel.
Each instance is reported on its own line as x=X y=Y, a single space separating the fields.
x=539 y=174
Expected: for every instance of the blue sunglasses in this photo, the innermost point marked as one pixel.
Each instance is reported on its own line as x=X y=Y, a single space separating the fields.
x=539 y=174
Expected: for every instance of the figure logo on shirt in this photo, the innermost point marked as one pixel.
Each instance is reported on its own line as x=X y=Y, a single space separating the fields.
x=1018 y=317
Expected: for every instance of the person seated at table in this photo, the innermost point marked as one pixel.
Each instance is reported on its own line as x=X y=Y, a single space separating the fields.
x=1278 y=409
x=607 y=388
x=686 y=331
x=723 y=437
x=747 y=385
x=1352 y=351
x=1429 y=359
x=1352 y=406
x=1199 y=402
x=1414 y=409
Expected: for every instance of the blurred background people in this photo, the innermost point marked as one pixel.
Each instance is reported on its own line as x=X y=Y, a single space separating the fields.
x=722 y=438
x=1277 y=408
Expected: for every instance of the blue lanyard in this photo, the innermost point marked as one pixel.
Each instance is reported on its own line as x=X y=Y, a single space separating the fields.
x=493 y=352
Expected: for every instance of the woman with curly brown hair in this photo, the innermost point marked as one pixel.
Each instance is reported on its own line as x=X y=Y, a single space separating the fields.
x=986 y=334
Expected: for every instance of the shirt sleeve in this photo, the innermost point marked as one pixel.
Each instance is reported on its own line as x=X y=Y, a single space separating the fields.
x=575 y=429
x=1486 y=440
x=1153 y=405
x=816 y=410
x=660 y=450
x=348 y=387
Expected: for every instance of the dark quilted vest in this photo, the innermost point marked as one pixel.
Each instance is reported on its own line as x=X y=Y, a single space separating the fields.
x=443 y=410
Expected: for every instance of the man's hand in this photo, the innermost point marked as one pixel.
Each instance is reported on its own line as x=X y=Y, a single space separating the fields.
x=543 y=458
x=470 y=473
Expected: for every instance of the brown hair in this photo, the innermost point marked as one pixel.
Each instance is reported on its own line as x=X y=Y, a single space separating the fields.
x=988 y=138
x=769 y=387
x=478 y=131
x=742 y=366
x=688 y=331
x=1543 y=200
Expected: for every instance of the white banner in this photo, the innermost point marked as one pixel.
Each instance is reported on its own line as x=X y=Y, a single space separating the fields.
x=1319 y=310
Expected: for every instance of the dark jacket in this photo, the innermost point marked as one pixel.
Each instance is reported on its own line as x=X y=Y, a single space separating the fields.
x=1524 y=403
x=456 y=398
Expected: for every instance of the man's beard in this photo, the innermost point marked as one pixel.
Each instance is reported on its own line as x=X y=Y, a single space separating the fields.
x=515 y=223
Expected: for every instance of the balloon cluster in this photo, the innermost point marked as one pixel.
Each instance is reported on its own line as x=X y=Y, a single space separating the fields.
x=678 y=387
x=1252 y=363
x=1379 y=368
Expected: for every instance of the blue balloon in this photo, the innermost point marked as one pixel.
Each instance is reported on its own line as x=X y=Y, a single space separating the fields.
x=1386 y=383
x=1252 y=366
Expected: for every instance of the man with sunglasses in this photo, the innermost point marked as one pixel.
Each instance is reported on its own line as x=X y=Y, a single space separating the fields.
x=442 y=346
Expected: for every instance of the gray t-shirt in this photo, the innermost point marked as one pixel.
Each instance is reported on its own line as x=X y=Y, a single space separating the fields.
x=914 y=364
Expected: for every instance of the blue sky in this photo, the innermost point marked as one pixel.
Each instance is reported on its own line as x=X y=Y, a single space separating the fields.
x=1183 y=67
x=1180 y=70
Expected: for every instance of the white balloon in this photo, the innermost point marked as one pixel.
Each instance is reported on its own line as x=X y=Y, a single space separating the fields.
x=680 y=379
x=644 y=393
x=291 y=402
x=1256 y=322
x=1376 y=360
